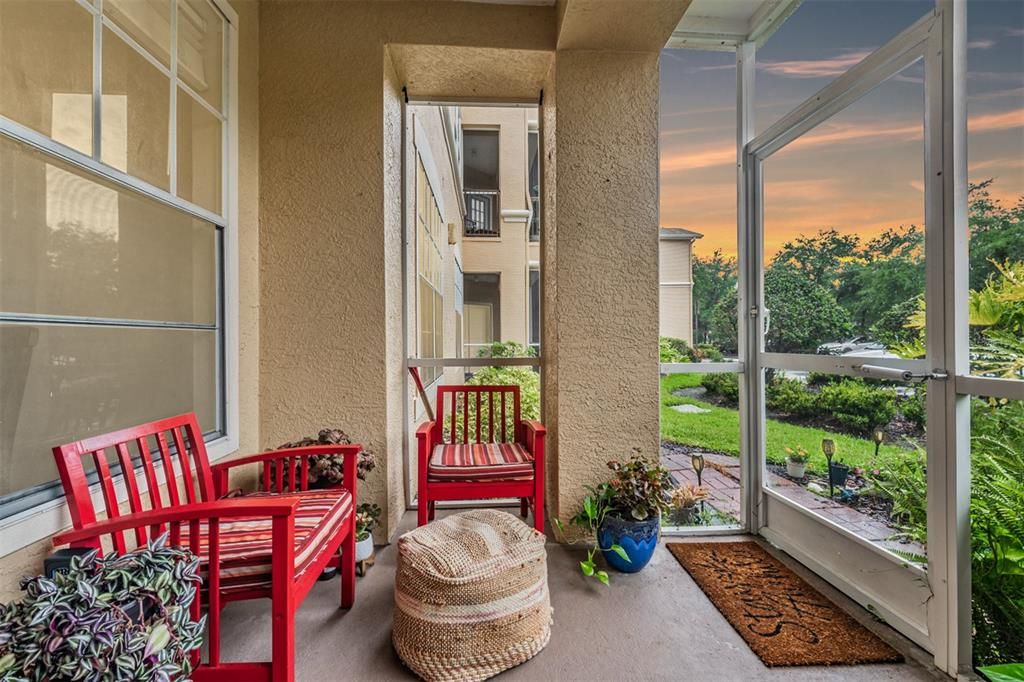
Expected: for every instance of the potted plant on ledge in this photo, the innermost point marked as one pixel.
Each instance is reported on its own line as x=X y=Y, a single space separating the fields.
x=638 y=494
x=796 y=462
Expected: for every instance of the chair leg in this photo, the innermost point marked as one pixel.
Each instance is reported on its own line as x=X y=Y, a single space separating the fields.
x=282 y=664
x=348 y=568
x=433 y=508
x=538 y=507
x=423 y=510
x=524 y=506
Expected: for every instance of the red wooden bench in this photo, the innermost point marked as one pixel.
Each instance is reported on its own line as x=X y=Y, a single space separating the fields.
x=479 y=447
x=273 y=543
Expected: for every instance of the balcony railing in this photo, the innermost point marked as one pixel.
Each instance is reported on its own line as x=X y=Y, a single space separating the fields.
x=482 y=213
x=535 y=219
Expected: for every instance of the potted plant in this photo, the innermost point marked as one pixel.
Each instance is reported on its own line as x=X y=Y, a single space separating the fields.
x=367 y=518
x=684 y=501
x=638 y=495
x=118 y=617
x=325 y=471
x=796 y=462
x=589 y=518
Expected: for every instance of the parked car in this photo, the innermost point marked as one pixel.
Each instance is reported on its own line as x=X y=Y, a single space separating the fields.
x=857 y=343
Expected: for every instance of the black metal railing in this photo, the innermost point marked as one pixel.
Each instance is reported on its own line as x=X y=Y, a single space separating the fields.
x=482 y=213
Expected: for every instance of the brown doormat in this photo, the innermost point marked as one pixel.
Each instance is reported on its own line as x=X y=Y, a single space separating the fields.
x=782 y=618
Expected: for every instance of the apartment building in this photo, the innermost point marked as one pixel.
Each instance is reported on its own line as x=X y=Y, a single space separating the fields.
x=478 y=228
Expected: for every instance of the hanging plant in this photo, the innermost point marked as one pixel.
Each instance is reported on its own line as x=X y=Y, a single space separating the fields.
x=114 y=618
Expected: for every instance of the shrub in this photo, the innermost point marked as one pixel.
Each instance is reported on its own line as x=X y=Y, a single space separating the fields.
x=858 y=406
x=75 y=626
x=525 y=378
x=507 y=349
x=913 y=407
x=725 y=385
x=790 y=396
x=708 y=351
x=673 y=350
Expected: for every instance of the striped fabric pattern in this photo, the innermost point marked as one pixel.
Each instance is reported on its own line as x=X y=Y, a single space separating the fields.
x=480 y=462
x=245 y=543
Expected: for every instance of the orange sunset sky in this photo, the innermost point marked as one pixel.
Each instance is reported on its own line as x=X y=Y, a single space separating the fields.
x=860 y=172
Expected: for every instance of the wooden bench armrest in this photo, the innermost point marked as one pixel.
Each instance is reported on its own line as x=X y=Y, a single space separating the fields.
x=535 y=426
x=426 y=430
x=350 y=453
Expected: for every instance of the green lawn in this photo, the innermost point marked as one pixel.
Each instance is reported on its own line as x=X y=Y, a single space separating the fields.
x=719 y=430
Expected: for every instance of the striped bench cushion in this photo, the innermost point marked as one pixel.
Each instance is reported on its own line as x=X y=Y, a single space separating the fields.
x=245 y=542
x=480 y=462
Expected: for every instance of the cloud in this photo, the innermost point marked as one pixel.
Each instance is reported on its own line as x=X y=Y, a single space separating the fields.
x=816 y=68
x=997 y=94
x=698 y=158
x=1005 y=163
x=980 y=44
x=1000 y=120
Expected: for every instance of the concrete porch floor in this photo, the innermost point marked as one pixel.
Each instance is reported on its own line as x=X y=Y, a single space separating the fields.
x=655 y=625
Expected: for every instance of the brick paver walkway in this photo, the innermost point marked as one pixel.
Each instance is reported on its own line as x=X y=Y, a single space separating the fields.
x=721 y=478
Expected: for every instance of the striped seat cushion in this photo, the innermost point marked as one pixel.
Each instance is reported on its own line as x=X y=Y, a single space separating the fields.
x=480 y=462
x=245 y=543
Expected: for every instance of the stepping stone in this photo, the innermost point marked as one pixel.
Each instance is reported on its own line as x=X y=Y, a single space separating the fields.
x=689 y=409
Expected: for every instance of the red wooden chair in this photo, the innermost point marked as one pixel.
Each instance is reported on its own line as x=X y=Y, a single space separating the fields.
x=272 y=544
x=479 y=447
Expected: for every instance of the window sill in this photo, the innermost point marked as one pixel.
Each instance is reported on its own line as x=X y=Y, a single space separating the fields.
x=44 y=520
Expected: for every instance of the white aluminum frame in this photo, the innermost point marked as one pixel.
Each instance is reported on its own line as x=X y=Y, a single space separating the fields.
x=43 y=520
x=939 y=39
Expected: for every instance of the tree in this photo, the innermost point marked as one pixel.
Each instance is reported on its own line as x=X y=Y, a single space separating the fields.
x=997 y=233
x=714 y=278
x=804 y=314
x=893 y=326
x=723 y=329
x=888 y=271
x=820 y=258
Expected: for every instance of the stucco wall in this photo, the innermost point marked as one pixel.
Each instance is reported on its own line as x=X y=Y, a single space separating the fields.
x=29 y=559
x=607 y=290
x=328 y=284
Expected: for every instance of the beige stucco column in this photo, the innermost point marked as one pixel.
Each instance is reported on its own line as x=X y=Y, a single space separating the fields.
x=601 y=271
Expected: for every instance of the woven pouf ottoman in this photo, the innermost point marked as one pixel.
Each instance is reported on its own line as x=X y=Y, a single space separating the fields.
x=471 y=596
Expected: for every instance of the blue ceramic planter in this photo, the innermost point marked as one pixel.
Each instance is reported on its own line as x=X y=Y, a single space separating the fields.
x=637 y=538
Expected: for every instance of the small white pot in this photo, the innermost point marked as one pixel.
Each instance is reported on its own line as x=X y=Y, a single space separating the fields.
x=795 y=469
x=364 y=548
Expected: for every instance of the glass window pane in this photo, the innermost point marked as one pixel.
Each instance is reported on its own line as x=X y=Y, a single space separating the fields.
x=62 y=383
x=136 y=113
x=201 y=50
x=46 y=69
x=480 y=159
x=874 y=486
x=697 y=243
x=148 y=22
x=71 y=244
x=844 y=229
x=819 y=42
x=199 y=153
x=995 y=169
x=700 y=446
